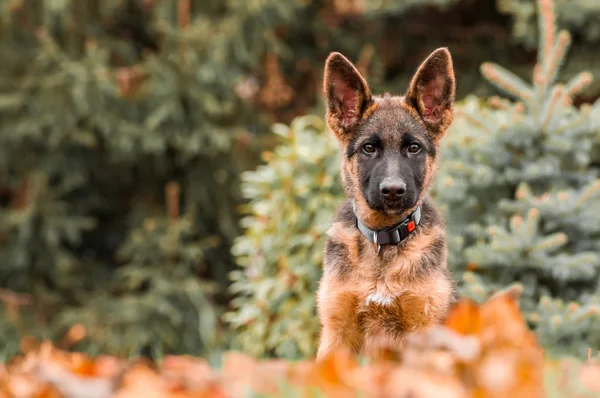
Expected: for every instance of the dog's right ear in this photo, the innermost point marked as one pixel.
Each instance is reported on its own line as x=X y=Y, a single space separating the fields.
x=432 y=91
x=346 y=93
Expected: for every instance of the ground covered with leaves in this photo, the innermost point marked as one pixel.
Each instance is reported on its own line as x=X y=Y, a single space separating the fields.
x=482 y=350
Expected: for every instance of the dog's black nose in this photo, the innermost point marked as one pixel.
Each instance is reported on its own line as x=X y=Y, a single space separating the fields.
x=392 y=189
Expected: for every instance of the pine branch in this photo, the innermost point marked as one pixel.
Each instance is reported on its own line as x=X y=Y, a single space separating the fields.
x=575 y=85
x=587 y=194
x=531 y=226
x=516 y=222
x=517 y=113
x=546 y=29
x=475 y=120
x=548 y=111
x=523 y=191
x=556 y=57
x=575 y=264
x=538 y=76
x=506 y=80
x=496 y=102
x=585 y=313
x=577 y=122
x=550 y=243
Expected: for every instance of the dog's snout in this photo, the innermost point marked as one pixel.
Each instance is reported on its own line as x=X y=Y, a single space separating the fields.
x=392 y=189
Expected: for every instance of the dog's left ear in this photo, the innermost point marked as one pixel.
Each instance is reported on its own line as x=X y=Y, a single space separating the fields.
x=432 y=89
x=347 y=94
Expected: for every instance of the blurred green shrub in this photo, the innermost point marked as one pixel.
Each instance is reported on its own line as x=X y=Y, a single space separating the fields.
x=102 y=105
x=291 y=199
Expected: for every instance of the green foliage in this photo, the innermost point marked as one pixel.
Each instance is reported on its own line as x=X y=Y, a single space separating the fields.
x=291 y=200
x=575 y=15
x=96 y=118
x=402 y=6
x=518 y=184
x=154 y=303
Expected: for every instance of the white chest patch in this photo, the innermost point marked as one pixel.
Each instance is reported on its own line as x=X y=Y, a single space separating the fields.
x=380 y=299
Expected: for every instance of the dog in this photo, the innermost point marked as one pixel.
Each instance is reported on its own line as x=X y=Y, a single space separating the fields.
x=385 y=271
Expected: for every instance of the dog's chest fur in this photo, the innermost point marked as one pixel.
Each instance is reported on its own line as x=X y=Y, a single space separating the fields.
x=405 y=288
x=401 y=293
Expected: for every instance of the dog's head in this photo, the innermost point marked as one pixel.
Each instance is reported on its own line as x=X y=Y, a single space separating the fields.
x=390 y=142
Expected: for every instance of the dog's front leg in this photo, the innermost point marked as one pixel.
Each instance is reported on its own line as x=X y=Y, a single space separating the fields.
x=338 y=313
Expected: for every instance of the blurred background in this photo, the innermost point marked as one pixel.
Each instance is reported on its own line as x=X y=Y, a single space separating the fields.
x=166 y=176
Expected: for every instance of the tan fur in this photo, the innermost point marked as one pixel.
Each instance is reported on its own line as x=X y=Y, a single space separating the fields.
x=348 y=238
x=336 y=128
x=369 y=111
x=431 y=169
x=417 y=302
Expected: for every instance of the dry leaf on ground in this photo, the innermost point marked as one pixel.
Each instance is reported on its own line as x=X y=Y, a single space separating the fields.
x=482 y=351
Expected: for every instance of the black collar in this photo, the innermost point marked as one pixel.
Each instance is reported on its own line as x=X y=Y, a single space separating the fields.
x=392 y=235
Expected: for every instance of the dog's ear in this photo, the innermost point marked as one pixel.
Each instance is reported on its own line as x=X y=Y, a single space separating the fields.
x=346 y=92
x=432 y=89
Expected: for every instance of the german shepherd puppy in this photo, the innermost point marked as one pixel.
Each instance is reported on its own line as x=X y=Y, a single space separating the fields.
x=385 y=259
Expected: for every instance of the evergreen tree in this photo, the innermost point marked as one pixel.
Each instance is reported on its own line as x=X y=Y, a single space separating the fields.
x=521 y=192
x=155 y=303
x=572 y=15
x=103 y=104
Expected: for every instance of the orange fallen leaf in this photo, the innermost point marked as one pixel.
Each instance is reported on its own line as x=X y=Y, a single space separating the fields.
x=82 y=365
x=504 y=324
x=481 y=351
x=329 y=374
x=464 y=318
x=245 y=371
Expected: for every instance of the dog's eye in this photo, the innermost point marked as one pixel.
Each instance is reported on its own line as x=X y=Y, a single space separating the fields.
x=368 y=149
x=414 y=148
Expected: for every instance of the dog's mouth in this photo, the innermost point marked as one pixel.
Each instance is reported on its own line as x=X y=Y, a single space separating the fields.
x=394 y=207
